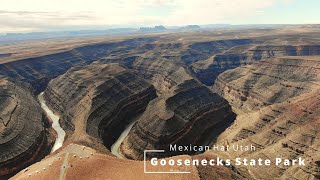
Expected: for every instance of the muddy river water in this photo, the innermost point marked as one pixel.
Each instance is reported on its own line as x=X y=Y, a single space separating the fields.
x=55 y=123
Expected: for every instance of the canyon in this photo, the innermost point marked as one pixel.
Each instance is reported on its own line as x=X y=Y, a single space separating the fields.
x=101 y=101
x=26 y=136
x=277 y=102
x=55 y=124
x=184 y=116
x=116 y=98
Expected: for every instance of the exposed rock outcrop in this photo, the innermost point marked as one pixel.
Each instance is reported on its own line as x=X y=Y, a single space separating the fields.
x=204 y=50
x=162 y=73
x=96 y=102
x=189 y=114
x=291 y=50
x=278 y=103
x=274 y=81
x=24 y=133
x=207 y=71
x=39 y=71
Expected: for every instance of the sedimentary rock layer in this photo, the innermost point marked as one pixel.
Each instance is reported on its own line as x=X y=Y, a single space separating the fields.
x=23 y=129
x=98 y=100
x=39 y=71
x=203 y=50
x=207 y=71
x=278 y=103
x=254 y=86
x=189 y=114
x=162 y=73
x=302 y=50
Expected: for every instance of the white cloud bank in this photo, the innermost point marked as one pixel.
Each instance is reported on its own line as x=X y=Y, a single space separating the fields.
x=41 y=15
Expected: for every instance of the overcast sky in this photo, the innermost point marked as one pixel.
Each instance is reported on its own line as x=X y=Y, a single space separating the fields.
x=44 y=15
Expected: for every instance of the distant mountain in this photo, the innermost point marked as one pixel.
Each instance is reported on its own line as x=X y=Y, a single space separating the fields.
x=190 y=27
x=215 y=26
x=152 y=29
x=23 y=37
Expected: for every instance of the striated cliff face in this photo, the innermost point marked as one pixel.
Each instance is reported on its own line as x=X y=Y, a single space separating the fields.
x=38 y=71
x=136 y=53
x=162 y=73
x=165 y=64
x=203 y=50
x=290 y=50
x=278 y=103
x=96 y=102
x=274 y=81
x=24 y=133
x=207 y=71
x=189 y=114
x=276 y=100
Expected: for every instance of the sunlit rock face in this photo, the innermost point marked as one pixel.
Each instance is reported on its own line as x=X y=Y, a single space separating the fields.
x=277 y=103
x=274 y=81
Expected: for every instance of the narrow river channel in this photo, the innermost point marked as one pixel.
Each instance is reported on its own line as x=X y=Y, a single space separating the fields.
x=55 y=124
x=115 y=148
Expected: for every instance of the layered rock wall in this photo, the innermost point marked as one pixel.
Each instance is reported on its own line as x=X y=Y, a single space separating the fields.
x=245 y=55
x=190 y=114
x=162 y=73
x=39 y=71
x=24 y=133
x=98 y=100
x=277 y=103
x=274 y=81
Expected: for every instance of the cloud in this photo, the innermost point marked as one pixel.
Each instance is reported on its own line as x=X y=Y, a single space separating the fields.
x=41 y=15
x=25 y=21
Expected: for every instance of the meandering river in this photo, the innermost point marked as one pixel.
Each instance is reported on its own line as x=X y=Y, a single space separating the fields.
x=55 y=123
x=115 y=148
